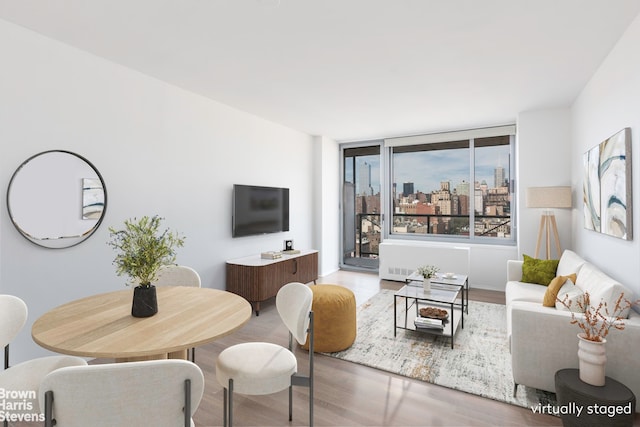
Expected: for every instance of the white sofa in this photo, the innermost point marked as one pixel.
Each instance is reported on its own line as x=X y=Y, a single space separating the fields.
x=542 y=339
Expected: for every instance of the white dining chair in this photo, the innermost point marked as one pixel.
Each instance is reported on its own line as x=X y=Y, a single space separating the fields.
x=179 y=275
x=25 y=376
x=258 y=368
x=158 y=393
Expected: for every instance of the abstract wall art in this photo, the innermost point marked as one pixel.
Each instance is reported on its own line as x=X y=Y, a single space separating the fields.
x=607 y=186
x=92 y=198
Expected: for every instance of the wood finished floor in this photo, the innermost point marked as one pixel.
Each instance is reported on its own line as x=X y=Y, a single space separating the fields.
x=347 y=394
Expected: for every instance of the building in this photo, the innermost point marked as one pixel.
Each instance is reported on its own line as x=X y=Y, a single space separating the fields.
x=407 y=188
x=442 y=198
x=365 y=180
x=499 y=177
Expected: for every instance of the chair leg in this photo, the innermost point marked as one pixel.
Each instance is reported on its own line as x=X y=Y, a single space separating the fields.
x=311 y=354
x=311 y=403
x=290 y=402
x=6 y=356
x=193 y=355
x=48 y=409
x=230 y=402
x=225 y=404
x=187 y=402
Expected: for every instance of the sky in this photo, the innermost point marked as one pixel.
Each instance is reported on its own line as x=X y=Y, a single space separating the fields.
x=427 y=169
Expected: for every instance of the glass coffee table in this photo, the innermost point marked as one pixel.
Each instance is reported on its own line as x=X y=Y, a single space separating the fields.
x=450 y=296
x=460 y=281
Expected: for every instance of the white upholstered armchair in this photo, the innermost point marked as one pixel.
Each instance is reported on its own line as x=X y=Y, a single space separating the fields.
x=25 y=376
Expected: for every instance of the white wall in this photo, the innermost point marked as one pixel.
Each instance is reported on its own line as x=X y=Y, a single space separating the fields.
x=609 y=103
x=160 y=149
x=326 y=206
x=543 y=153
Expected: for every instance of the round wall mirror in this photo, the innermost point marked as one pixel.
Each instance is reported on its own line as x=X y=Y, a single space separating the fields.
x=56 y=199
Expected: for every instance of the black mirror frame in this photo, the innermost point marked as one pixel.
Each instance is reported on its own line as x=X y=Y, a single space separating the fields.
x=84 y=236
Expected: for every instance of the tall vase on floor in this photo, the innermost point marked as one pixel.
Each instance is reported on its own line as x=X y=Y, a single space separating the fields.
x=592 y=358
x=426 y=284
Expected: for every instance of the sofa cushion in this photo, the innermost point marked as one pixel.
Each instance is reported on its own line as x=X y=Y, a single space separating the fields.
x=601 y=288
x=570 y=298
x=521 y=291
x=540 y=271
x=570 y=262
x=549 y=299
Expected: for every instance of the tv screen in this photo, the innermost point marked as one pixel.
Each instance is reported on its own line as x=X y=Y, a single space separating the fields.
x=259 y=210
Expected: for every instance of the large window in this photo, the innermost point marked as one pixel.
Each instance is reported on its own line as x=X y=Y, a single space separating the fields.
x=448 y=187
x=361 y=206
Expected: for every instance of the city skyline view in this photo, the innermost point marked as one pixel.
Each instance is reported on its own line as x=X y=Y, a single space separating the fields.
x=437 y=166
x=451 y=203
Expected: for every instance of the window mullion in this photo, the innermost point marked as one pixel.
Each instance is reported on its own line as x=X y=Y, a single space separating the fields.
x=472 y=189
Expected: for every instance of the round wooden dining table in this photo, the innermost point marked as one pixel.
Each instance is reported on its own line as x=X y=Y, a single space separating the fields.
x=101 y=326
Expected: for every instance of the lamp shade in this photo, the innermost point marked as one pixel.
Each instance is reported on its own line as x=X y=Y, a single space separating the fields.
x=549 y=197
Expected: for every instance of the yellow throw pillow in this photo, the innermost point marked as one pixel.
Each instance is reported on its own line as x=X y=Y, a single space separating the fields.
x=551 y=294
x=540 y=271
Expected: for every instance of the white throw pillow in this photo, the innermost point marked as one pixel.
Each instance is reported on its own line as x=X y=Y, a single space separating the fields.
x=602 y=288
x=572 y=296
x=570 y=262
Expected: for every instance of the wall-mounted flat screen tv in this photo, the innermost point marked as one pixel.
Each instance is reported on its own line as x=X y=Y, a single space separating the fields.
x=259 y=210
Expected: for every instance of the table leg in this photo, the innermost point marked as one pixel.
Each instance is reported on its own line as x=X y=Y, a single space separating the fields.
x=395 y=314
x=180 y=354
x=466 y=287
x=406 y=311
x=141 y=358
x=452 y=322
x=462 y=308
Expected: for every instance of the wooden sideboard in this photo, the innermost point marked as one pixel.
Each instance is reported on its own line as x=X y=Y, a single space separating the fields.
x=258 y=279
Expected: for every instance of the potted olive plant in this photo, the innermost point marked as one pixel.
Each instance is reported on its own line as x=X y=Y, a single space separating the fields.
x=141 y=249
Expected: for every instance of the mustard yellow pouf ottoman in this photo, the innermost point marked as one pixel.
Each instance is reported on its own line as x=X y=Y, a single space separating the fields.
x=334 y=318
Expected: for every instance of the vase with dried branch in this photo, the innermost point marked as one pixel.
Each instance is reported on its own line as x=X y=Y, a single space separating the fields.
x=595 y=324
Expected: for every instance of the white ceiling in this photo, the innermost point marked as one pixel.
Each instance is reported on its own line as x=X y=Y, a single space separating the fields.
x=351 y=69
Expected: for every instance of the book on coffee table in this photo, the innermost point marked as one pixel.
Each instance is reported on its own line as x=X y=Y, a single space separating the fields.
x=426 y=323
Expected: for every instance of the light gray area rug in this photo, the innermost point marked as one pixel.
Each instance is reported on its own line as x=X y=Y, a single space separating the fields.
x=479 y=363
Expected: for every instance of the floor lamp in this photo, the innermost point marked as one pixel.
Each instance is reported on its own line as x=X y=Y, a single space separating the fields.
x=548 y=198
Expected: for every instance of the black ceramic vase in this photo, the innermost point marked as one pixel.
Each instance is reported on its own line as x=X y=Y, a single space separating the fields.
x=145 y=303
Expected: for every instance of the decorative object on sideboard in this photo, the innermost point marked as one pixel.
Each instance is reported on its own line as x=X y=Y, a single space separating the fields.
x=288 y=248
x=595 y=324
x=271 y=255
x=548 y=198
x=427 y=272
x=141 y=249
x=607 y=186
x=288 y=245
